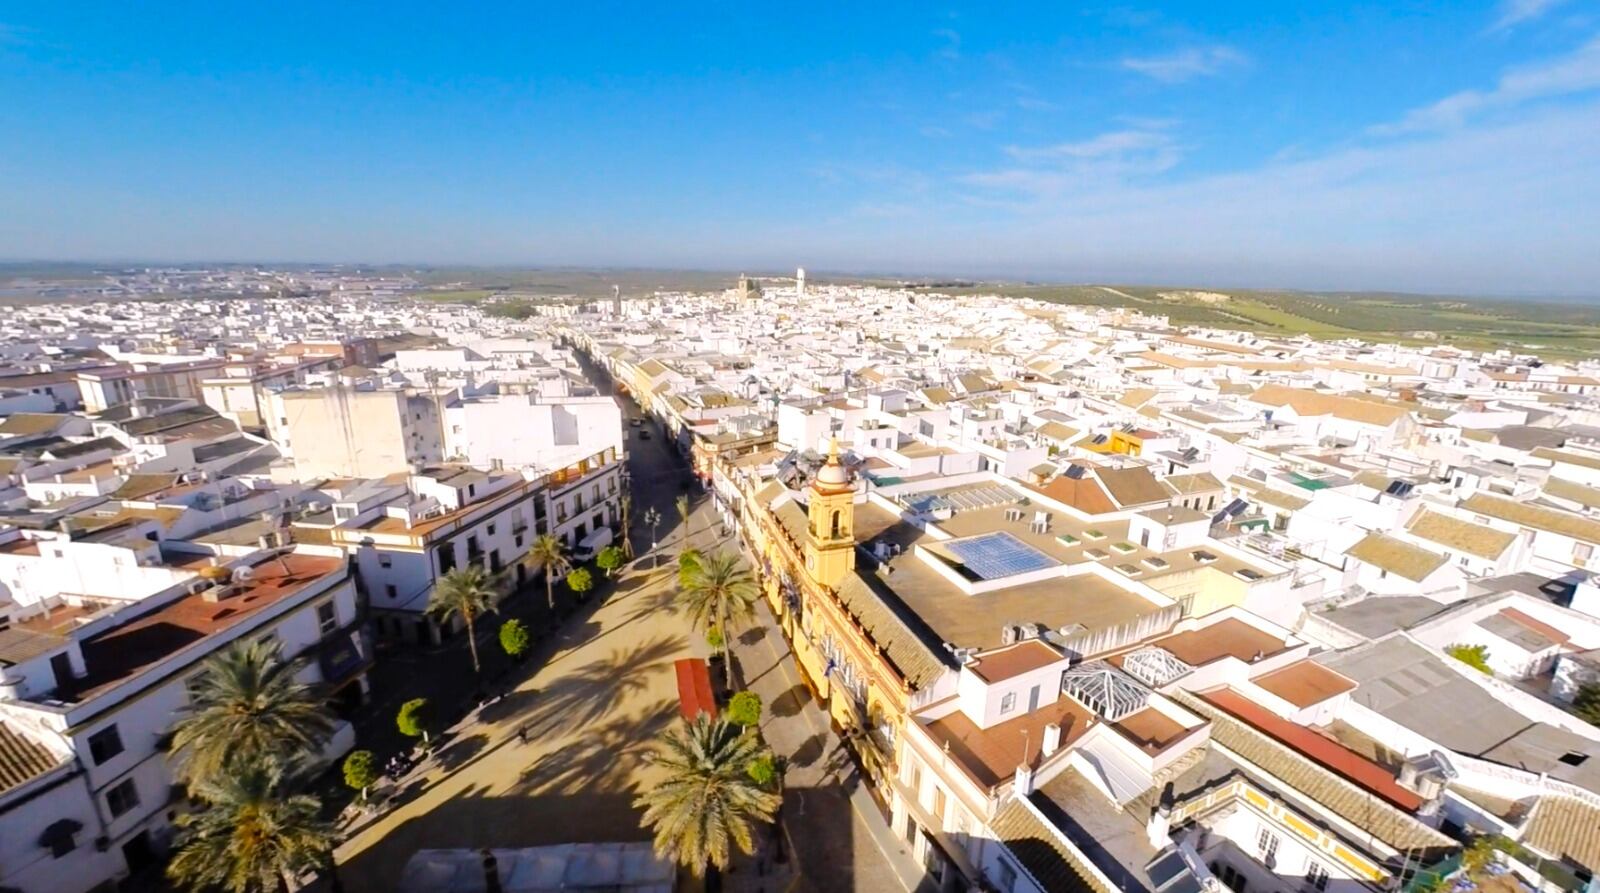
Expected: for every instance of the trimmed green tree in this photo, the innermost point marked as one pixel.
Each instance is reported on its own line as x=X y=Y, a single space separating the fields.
x=360 y=771
x=515 y=639
x=610 y=559
x=414 y=719
x=580 y=581
x=744 y=709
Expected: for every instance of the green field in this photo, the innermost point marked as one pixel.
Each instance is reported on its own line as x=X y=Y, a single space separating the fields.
x=1547 y=328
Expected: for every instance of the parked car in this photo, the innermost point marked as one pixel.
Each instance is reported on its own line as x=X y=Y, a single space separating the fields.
x=592 y=544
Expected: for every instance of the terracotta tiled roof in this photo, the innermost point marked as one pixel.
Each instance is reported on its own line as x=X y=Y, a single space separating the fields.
x=1314 y=777
x=1057 y=865
x=22 y=758
x=1565 y=827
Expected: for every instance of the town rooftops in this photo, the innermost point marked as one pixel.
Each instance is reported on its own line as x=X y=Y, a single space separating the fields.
x=1014 y=660
x=1462 y=536
x=144 y=639
x=1398 y=557
x=1538 y=517
x=1305 y=683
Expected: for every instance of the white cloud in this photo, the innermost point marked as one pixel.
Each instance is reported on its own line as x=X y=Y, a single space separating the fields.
x=1515 y=12
x=1185 y=64
x=1575 y=73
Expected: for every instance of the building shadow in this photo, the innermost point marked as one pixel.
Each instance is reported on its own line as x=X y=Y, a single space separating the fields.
x=602 y=759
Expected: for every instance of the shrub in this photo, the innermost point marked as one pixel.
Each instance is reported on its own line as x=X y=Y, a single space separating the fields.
x=360 y=771
x=744 y=709
x=515 y=638
x=414 y=718
x=1474 y=656
x=714 y=638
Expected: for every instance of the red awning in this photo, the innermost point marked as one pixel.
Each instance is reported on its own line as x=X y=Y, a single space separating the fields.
x=694 y=688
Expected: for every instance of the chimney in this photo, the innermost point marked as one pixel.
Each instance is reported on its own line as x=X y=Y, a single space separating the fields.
x=1023 y=785
x=1052 y=740
x=1159 y=828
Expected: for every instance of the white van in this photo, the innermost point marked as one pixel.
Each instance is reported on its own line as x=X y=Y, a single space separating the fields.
x=592 y=544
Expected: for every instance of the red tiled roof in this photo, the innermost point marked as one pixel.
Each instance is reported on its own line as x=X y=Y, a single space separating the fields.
x=1331 y=755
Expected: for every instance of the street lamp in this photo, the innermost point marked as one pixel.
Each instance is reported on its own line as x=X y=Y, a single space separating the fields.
x=652 y=517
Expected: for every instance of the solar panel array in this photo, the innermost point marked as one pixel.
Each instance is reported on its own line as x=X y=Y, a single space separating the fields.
x=992 y=556
x=966 y=499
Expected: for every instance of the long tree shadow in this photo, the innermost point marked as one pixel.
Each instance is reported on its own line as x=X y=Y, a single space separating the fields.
x=790 y=702
x=588 y=694
x=606 y=758
x=809 y=751
x=459 y=752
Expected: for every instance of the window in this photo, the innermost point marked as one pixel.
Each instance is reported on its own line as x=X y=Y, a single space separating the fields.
x=491 y=530
x=105 y=744
x=327 y=617
x=385 y=560
x=1007 y=880
x=1267 y=842
x=1316 y=876
x=938 y=803
x=611 y=485
x=391 y=592
x=123 y=797
x=447 y=557
x=1009 y=702
x=597 y=492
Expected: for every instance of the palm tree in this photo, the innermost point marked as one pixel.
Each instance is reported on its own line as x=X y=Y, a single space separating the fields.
x=549 y=555
x=252 y=836
x=626 y=503
x=246 y=707
x=682 y=505
x=708 y=798
x=717 y=592
x=466 y=592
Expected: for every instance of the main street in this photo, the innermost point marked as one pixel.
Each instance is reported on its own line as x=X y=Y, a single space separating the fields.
x=560 y=756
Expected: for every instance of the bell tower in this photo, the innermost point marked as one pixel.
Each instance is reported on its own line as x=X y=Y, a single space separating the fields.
x=830 y=528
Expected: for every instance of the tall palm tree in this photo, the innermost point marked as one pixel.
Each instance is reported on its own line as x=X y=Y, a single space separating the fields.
x=717 y=592
x=708 y=798
x=466 y=592
x=246 y=707
x=549 y=555
x=252 y=836
x=626 y=503
x=682 y=505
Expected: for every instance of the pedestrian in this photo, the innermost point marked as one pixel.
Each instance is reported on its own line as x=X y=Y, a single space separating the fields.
x=522 y=734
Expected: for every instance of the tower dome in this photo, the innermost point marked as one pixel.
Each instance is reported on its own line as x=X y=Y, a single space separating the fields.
x=833 y=474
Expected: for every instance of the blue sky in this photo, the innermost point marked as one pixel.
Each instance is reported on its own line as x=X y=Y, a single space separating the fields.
x=1403 y=145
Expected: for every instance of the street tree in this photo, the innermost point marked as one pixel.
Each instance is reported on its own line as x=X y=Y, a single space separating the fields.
x=707 y=803
x=360 y=771
x=717 y=593
x=549 y=554
x=414 y=719
x=246 y=707
x=466 y=592
x=610 y=558
x=515 y=639
x=253 y=836
x=580 y=581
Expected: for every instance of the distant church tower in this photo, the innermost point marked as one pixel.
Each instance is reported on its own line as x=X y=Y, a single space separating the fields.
x=749 y=289
x=800 y=282
x=830 y=527
x=616 y=300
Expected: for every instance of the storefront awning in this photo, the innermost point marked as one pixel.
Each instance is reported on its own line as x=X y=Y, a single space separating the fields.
x=694 y=689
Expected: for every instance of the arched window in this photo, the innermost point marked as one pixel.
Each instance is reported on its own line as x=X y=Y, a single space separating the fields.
x=835 y=524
